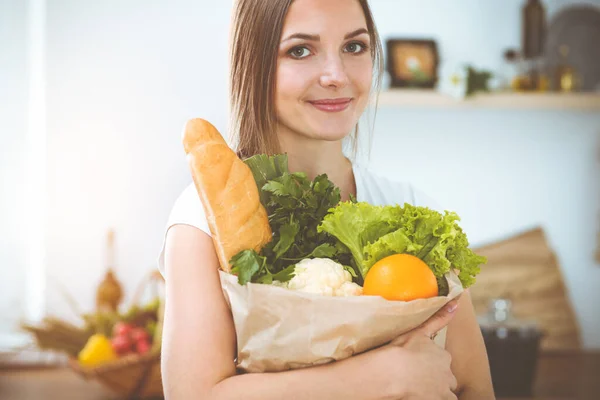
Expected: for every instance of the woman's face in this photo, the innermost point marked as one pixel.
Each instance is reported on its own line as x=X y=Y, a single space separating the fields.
x=324 y=69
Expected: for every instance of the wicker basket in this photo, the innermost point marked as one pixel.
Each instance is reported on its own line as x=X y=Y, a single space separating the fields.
x=134 y=376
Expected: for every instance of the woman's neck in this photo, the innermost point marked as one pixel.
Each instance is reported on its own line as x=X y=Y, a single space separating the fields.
x=315 y=157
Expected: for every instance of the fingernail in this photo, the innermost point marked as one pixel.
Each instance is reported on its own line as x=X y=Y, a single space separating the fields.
x=451 y=308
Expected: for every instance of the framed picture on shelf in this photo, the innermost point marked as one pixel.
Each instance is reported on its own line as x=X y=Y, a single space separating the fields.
x=412 y=63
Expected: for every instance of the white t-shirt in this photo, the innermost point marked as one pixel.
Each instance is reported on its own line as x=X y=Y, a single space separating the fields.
x=370 y=187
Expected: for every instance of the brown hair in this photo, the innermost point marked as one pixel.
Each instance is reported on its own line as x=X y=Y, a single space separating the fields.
x=255 y=35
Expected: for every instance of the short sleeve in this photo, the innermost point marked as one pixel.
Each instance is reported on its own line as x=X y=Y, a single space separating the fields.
x=187 y=210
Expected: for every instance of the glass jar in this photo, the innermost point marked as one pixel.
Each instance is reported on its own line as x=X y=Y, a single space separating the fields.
x=512 y=347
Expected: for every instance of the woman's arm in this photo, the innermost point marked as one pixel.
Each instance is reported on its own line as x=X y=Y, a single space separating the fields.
x=199 y=342
x=469 y=357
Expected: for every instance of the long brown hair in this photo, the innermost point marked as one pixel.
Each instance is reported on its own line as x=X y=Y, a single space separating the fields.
x=255 y=35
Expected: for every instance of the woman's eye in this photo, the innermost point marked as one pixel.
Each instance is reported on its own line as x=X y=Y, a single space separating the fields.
x=299 y=52
x=355 y=48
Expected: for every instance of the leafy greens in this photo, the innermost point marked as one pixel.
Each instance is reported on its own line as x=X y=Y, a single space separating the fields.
x=295 y=206
x=309 y=221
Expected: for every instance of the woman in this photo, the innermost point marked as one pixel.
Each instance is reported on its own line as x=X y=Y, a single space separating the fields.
x=301 y=76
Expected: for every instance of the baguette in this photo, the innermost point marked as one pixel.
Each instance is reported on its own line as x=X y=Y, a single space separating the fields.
x=228 y=192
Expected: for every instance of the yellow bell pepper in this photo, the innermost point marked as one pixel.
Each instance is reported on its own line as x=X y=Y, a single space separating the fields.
x=97 y=350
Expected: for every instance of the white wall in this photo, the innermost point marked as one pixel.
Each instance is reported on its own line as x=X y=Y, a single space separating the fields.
x=505 y=172
x=502 y=171
x=13 y=126
x=124 y=76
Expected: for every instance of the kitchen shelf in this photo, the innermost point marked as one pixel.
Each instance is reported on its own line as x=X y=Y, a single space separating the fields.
x=589 y=102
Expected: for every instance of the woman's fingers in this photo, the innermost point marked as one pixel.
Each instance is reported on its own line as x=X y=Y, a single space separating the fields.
x=439 y=320
x=433 y=325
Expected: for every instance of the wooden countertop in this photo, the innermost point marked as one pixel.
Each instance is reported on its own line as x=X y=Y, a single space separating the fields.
x=560 y=375
x=49 y=383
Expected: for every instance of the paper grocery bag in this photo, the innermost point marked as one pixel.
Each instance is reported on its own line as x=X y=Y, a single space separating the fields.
x=279 y=329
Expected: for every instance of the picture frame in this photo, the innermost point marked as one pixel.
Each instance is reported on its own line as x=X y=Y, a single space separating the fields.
x=412 y=63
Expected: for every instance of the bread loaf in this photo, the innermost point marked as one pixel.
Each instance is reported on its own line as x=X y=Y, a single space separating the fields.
x=228 y=192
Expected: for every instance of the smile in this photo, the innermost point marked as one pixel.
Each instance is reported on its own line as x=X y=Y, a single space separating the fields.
x=331 y=105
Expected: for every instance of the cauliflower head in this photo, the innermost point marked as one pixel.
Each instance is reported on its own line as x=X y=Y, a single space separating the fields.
x=322 y=276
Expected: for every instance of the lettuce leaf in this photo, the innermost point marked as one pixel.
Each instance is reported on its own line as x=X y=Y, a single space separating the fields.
x=356 y=225
x=372 y=233
x=396 y=242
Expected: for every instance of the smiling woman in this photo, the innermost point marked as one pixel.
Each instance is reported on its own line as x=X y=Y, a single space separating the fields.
x=302 y=73
x=323 y=81
x=277 y=62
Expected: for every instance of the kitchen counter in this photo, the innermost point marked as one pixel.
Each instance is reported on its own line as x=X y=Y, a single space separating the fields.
x=560 y=375
x=49 y=383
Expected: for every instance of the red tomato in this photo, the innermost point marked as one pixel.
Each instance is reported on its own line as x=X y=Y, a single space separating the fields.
x=142 y=346
x=121 y=344
x=122 y=329
x=138 y=334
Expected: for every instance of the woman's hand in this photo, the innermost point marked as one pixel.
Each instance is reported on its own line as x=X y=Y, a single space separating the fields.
x=413 y=366
x=428 y=375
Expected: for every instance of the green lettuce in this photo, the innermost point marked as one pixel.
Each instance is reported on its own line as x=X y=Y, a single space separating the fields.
x=356 y=225
x=372 y=233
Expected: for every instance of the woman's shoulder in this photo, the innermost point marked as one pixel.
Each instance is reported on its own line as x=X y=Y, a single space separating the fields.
x=186 y=210
x=379 y=189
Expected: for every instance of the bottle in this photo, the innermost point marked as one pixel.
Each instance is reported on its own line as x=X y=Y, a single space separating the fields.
x=533 y=29
x=533 y=38
x=510 y=73
x=517 y=76
x=109 y=293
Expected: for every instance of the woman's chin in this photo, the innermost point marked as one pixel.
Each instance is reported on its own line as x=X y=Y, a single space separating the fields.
x=332 y=136
x=331 y=132
x=322 y=130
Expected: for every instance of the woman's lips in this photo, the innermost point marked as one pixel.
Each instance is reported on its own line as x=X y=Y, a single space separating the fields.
x=331 y=105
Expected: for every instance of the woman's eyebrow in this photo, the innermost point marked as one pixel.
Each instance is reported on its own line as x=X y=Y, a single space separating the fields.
x=304 y=36
x=356 y=33
x=316 y=38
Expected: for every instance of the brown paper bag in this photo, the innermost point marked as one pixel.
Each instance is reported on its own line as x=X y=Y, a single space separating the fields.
x=279 y=329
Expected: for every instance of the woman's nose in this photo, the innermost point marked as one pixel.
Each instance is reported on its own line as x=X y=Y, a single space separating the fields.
x=334 y=74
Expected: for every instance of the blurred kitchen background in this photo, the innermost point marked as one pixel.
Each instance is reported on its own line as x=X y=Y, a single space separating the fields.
x=491 y=107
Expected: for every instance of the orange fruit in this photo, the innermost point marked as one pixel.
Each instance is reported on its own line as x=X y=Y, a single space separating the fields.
x=400 y=277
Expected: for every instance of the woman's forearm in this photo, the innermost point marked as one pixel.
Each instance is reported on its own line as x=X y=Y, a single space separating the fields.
x=338 y=380
x=473 y=393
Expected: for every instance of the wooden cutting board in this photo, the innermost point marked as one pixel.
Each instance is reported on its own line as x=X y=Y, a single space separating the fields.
x=525 y=270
